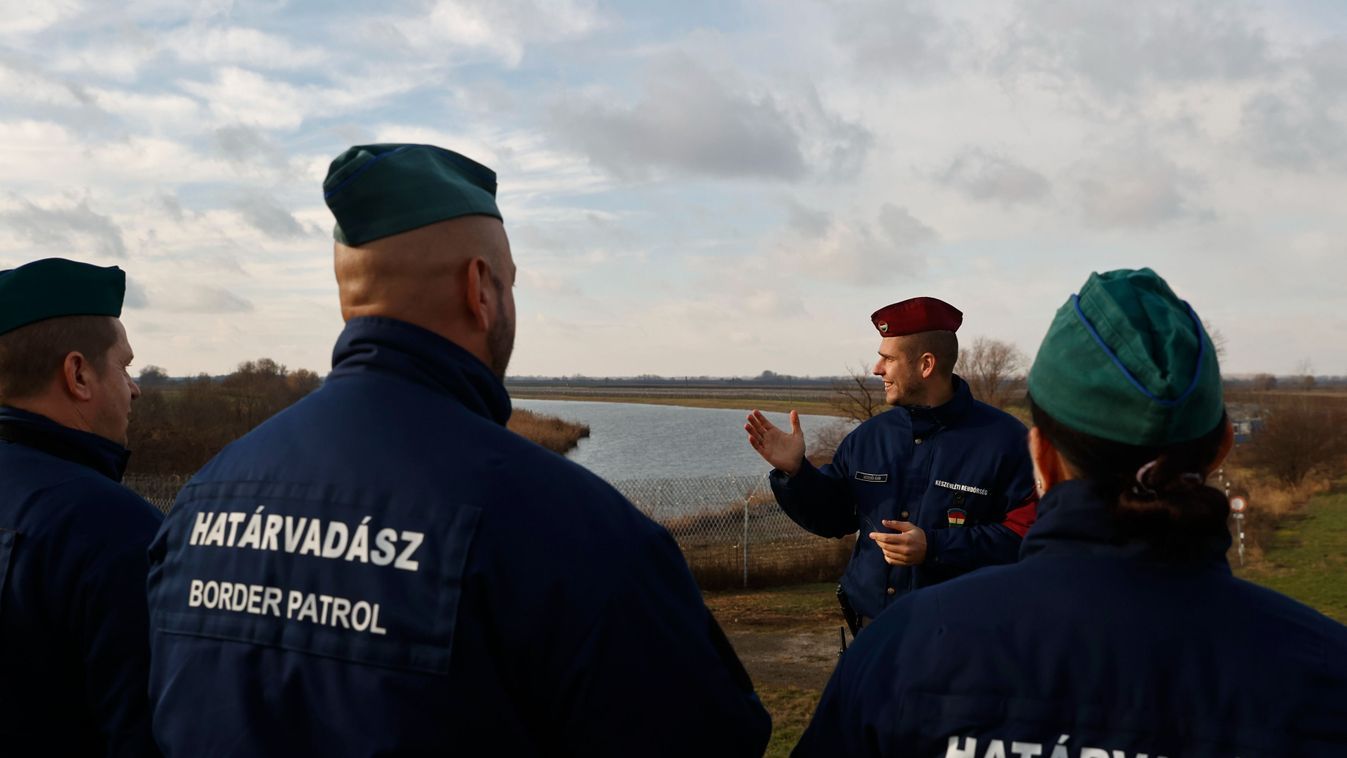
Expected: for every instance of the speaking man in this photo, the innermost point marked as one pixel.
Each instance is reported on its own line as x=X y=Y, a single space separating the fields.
x=73 y=636
x=938 y=486
x=384 y=569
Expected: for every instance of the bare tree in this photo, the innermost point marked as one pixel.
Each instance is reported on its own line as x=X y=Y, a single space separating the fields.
x=1264 y=382
x=1218 y=339
x=859 y=396
x=1305 y=374
x=989 y=366
x=824 y=441
x=1299 y=437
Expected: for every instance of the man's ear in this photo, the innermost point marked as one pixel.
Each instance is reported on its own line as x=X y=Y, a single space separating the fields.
x=77 y=376
x=479 y=293
x=926 y=363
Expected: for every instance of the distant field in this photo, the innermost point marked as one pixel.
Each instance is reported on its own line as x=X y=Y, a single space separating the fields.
x=813 y=400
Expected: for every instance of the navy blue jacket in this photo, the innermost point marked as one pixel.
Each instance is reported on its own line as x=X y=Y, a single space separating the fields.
x=960 y=472
x=73 y=628
x=384 y=569
x=1096 y=643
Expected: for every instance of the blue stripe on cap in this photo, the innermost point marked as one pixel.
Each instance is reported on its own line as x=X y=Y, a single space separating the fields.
x=363 y=169
x=1197 y=370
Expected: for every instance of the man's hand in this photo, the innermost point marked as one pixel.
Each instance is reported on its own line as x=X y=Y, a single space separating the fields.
x=782 y=450
x=907 y=548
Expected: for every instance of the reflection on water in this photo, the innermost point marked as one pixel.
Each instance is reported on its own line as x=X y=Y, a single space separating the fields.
x=637 y=441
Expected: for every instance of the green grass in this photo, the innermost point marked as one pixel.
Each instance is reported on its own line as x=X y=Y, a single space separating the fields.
x=1307 y=556
x=791 y=709
x=782 y=607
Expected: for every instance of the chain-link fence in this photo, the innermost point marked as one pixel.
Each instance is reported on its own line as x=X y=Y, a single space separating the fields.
x=729 y=528
x=734 y=534
x=160 y=490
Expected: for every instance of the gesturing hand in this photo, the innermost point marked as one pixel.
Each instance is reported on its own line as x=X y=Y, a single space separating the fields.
x=783 y=450
x=906 y=548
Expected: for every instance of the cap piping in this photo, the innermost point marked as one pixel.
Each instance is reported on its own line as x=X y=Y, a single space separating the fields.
x=327 y=195
x=1197 y=370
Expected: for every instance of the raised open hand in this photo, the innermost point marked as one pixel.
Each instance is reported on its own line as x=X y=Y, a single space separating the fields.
x=784 y=450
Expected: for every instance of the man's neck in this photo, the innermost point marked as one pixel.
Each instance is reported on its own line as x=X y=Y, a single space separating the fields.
x=61 y=413
x=939 y=392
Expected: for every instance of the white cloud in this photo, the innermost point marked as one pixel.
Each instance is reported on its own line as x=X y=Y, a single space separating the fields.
x=502 y=29
x=692 y=120
x=858 y=252
x=25 y=84
x=1136 y=188
x=986 y=176
x=884 y=38
x=1115 y=49
x=24 y=18
x=242 y=46
x=65 y=229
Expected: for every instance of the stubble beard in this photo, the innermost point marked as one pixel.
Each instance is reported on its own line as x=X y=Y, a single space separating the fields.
x=500 y=338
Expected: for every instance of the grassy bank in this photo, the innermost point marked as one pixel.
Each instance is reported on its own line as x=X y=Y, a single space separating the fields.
x=811 y=401
x=787 y=639
x=1306 y=555
x=555 y=434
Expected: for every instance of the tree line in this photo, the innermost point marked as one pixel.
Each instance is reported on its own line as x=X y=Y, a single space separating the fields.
x=179 y=424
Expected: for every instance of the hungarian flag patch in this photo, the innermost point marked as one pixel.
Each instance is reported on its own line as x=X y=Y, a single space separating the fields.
x=956 y=516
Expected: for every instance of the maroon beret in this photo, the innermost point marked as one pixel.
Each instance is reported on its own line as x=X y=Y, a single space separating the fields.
x=920 y=314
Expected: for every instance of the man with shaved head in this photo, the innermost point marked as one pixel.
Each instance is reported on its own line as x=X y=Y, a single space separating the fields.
x=937 y=487
x=384 y=569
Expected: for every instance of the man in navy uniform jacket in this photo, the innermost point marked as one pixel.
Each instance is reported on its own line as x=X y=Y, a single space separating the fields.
x=73 y=639
x=384 y=569
x=1120 y=632
x=937 y=487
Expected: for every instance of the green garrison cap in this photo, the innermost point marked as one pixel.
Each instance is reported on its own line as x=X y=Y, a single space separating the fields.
x=1128 y=361
x=379 y=190
x=57 y=287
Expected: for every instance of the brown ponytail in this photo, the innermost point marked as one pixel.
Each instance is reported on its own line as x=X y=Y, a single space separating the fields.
x=1158 y=493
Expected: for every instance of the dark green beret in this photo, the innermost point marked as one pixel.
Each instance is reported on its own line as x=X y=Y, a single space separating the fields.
x=379 y=190
x=1128 y=361
x=57 y=287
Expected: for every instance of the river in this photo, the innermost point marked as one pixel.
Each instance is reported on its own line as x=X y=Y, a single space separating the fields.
x=641 y=441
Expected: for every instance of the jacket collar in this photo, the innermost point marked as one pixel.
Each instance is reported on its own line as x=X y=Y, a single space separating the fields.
x=41 y=433
x=390 y=346
x=1073 y=518
x=927 y=419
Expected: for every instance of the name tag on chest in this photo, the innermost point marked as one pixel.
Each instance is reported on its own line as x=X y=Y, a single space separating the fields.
x=876 y=478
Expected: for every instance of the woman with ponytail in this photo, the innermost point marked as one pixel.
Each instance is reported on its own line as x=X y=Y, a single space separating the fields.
x=1121 y=631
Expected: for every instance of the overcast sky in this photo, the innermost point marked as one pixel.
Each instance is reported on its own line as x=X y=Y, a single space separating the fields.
x=697 y=187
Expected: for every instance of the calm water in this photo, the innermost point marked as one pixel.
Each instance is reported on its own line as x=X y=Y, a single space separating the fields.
x=637 y=441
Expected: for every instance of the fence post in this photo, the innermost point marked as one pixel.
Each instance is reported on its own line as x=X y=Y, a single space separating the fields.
x=747 y=498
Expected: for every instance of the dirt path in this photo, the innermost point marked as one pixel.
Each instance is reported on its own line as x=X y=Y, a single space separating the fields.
x=795 y=658
x=787 y=638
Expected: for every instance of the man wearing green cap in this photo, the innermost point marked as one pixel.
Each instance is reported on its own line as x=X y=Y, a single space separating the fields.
x=73 y=635
x=384 y=569
x=1121 y=630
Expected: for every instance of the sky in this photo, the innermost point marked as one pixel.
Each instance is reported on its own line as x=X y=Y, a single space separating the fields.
x=697 y=188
